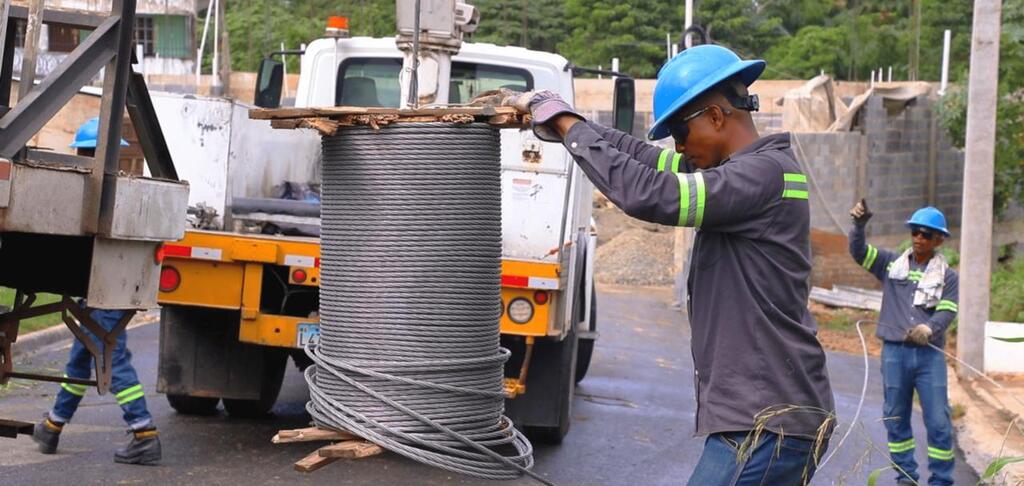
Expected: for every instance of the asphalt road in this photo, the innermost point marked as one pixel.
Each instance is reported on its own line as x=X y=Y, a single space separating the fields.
x=633 y=421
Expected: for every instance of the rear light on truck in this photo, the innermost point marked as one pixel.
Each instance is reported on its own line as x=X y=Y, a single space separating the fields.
x=520 y=310
x=170 y=279
x=540 y=297
x=299 y=275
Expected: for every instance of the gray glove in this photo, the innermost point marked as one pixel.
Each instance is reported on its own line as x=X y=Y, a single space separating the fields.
x=920 y=334
x=543 y=106
x=860 y=213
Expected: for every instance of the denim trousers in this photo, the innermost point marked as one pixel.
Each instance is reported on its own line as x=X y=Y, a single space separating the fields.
x=773 y=460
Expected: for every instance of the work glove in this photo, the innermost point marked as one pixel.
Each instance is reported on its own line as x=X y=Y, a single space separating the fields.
x=920 y=334
x=542 y=106
x=860 y=213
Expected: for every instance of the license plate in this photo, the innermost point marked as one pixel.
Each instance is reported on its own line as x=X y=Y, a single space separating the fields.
x=306 y=332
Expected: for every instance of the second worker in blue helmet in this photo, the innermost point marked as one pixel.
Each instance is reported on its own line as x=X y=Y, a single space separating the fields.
x=764 y=401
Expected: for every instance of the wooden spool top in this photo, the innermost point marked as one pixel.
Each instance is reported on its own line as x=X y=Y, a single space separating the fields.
x=327 y=120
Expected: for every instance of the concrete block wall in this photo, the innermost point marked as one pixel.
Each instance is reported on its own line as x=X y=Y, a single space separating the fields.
x=830 y=160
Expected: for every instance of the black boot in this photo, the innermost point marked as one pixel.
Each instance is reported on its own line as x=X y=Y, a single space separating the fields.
x=47 y=434
x=144 y=448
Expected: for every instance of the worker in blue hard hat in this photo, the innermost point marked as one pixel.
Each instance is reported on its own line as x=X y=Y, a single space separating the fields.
x=919 y=301
x=86 y=137
x=144 y=445
x=763 y=395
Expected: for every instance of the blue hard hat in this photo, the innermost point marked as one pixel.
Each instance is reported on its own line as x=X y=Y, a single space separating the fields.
x=87 y=134
x=690 y=74
x=929 y=217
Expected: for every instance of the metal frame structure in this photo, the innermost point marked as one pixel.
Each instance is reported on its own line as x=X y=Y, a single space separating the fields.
x=108 y=47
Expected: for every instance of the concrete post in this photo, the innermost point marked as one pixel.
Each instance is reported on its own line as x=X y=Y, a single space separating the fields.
x=979 y=173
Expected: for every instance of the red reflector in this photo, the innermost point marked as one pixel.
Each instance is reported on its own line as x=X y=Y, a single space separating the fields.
x=170 y=279
x=159 y=254
x=515 y=281
x=299 y=276
x=177 y=250
x=540 y=297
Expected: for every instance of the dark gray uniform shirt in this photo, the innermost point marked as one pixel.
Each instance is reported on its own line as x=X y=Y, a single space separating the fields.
x=754 y=342
x=899 y=314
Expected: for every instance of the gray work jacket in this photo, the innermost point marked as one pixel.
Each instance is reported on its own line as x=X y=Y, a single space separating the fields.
x=755 y=347
x=899 y=314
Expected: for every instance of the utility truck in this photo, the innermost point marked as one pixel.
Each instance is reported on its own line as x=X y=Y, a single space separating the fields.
x=237 y=304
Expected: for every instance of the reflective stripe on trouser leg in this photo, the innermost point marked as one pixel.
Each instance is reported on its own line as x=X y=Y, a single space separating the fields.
x=899 y=447
x=691 y=199
x=940 y=454
x=129 y=394
x=73 y=388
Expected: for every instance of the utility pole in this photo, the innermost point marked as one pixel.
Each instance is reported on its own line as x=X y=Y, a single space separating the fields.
x=523 y=9
x=979 y=175
x=225 y=47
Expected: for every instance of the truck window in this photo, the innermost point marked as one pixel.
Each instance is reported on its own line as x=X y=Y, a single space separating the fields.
x=373 y=82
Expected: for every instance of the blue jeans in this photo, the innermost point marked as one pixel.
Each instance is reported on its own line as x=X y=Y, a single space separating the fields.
x=790 y=462
x=905 y=368
x=124 y=383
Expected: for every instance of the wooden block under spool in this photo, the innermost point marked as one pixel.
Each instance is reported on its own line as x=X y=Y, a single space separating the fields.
x=310 y=434
x=350 y=449
x=313 y=461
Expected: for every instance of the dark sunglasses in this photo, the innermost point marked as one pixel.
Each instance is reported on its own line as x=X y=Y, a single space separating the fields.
x=928 y=235
x=680 y=129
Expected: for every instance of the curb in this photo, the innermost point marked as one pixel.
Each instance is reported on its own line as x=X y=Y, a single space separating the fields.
x=977 y=452
x=35 y=341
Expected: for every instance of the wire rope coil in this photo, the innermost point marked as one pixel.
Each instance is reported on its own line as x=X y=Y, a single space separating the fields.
x=408 y=355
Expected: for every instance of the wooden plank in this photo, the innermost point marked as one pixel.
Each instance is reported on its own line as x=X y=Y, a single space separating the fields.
x=337 y=111
x=351 y=449
x=313 y=461
x=309 y=434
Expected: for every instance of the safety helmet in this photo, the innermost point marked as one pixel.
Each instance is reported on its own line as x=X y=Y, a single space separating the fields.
x=929 y=217
x=691 y=73
x=88 y=133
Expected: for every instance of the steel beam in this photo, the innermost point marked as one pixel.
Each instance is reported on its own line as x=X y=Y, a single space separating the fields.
x=147 y=127
x=20 y=124
x=78 y=20
x=7 y=68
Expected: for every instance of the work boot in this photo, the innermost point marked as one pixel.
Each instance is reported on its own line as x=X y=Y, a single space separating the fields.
x=144 y=448
x=47 y=434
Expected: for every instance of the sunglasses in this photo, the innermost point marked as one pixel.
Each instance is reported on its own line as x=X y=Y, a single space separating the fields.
x=928 y=235
x=681 y=129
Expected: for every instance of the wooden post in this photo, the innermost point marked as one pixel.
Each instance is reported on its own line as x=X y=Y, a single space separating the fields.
x=30 y=53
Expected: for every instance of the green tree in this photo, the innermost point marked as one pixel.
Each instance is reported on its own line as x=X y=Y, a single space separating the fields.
x=1009 y=156
x=534 y=24
x=634 y=32
x=739 y=24
x=813 y=49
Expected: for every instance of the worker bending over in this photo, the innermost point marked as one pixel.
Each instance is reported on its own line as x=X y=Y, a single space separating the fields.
x=919 y=301
x=759 y=370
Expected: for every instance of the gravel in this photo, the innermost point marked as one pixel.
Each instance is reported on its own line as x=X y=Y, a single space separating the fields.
x=630 y=251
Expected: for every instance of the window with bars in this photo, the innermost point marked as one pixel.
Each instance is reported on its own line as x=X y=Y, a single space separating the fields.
x=19 y=32
x=145 y=35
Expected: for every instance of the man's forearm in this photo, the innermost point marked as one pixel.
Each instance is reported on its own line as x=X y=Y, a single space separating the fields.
x=562 y=124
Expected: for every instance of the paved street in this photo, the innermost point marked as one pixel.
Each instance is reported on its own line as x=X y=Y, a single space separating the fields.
x=633 y=419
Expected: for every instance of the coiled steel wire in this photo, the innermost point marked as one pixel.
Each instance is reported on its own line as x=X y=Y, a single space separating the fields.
x=408 y=355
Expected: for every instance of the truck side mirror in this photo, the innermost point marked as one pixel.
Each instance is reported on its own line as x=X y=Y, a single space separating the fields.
x=624 y=104
x=269 y=81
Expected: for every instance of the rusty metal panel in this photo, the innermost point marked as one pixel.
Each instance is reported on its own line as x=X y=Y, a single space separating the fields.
x=145 y=209
x=124 y=274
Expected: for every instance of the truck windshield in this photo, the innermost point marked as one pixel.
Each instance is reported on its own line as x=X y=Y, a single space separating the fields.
x=373 y=82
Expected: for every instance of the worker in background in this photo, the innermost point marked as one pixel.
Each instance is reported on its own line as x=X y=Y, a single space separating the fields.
x=919 y=301
x=144 y=446
x=763 y=393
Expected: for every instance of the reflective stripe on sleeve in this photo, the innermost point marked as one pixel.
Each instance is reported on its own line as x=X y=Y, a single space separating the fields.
x=869 y=258
x=947 y=305
x=662 y=159
x=691 y=199
x=794 y=186
x=675 y=162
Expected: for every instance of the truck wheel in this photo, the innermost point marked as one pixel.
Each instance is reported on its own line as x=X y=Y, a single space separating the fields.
x=561 y=391
x=586 y=345
x=188 y=405
x=274 y=365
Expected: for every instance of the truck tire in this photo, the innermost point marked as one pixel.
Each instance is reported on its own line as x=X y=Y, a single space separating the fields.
x=274 y=365
x=563 y=390
x=586 y=345
x=189 y=405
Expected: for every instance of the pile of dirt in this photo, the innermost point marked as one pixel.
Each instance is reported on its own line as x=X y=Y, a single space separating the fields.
x=630 y=251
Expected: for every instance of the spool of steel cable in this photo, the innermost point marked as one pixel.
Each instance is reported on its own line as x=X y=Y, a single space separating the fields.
x=409 y=354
